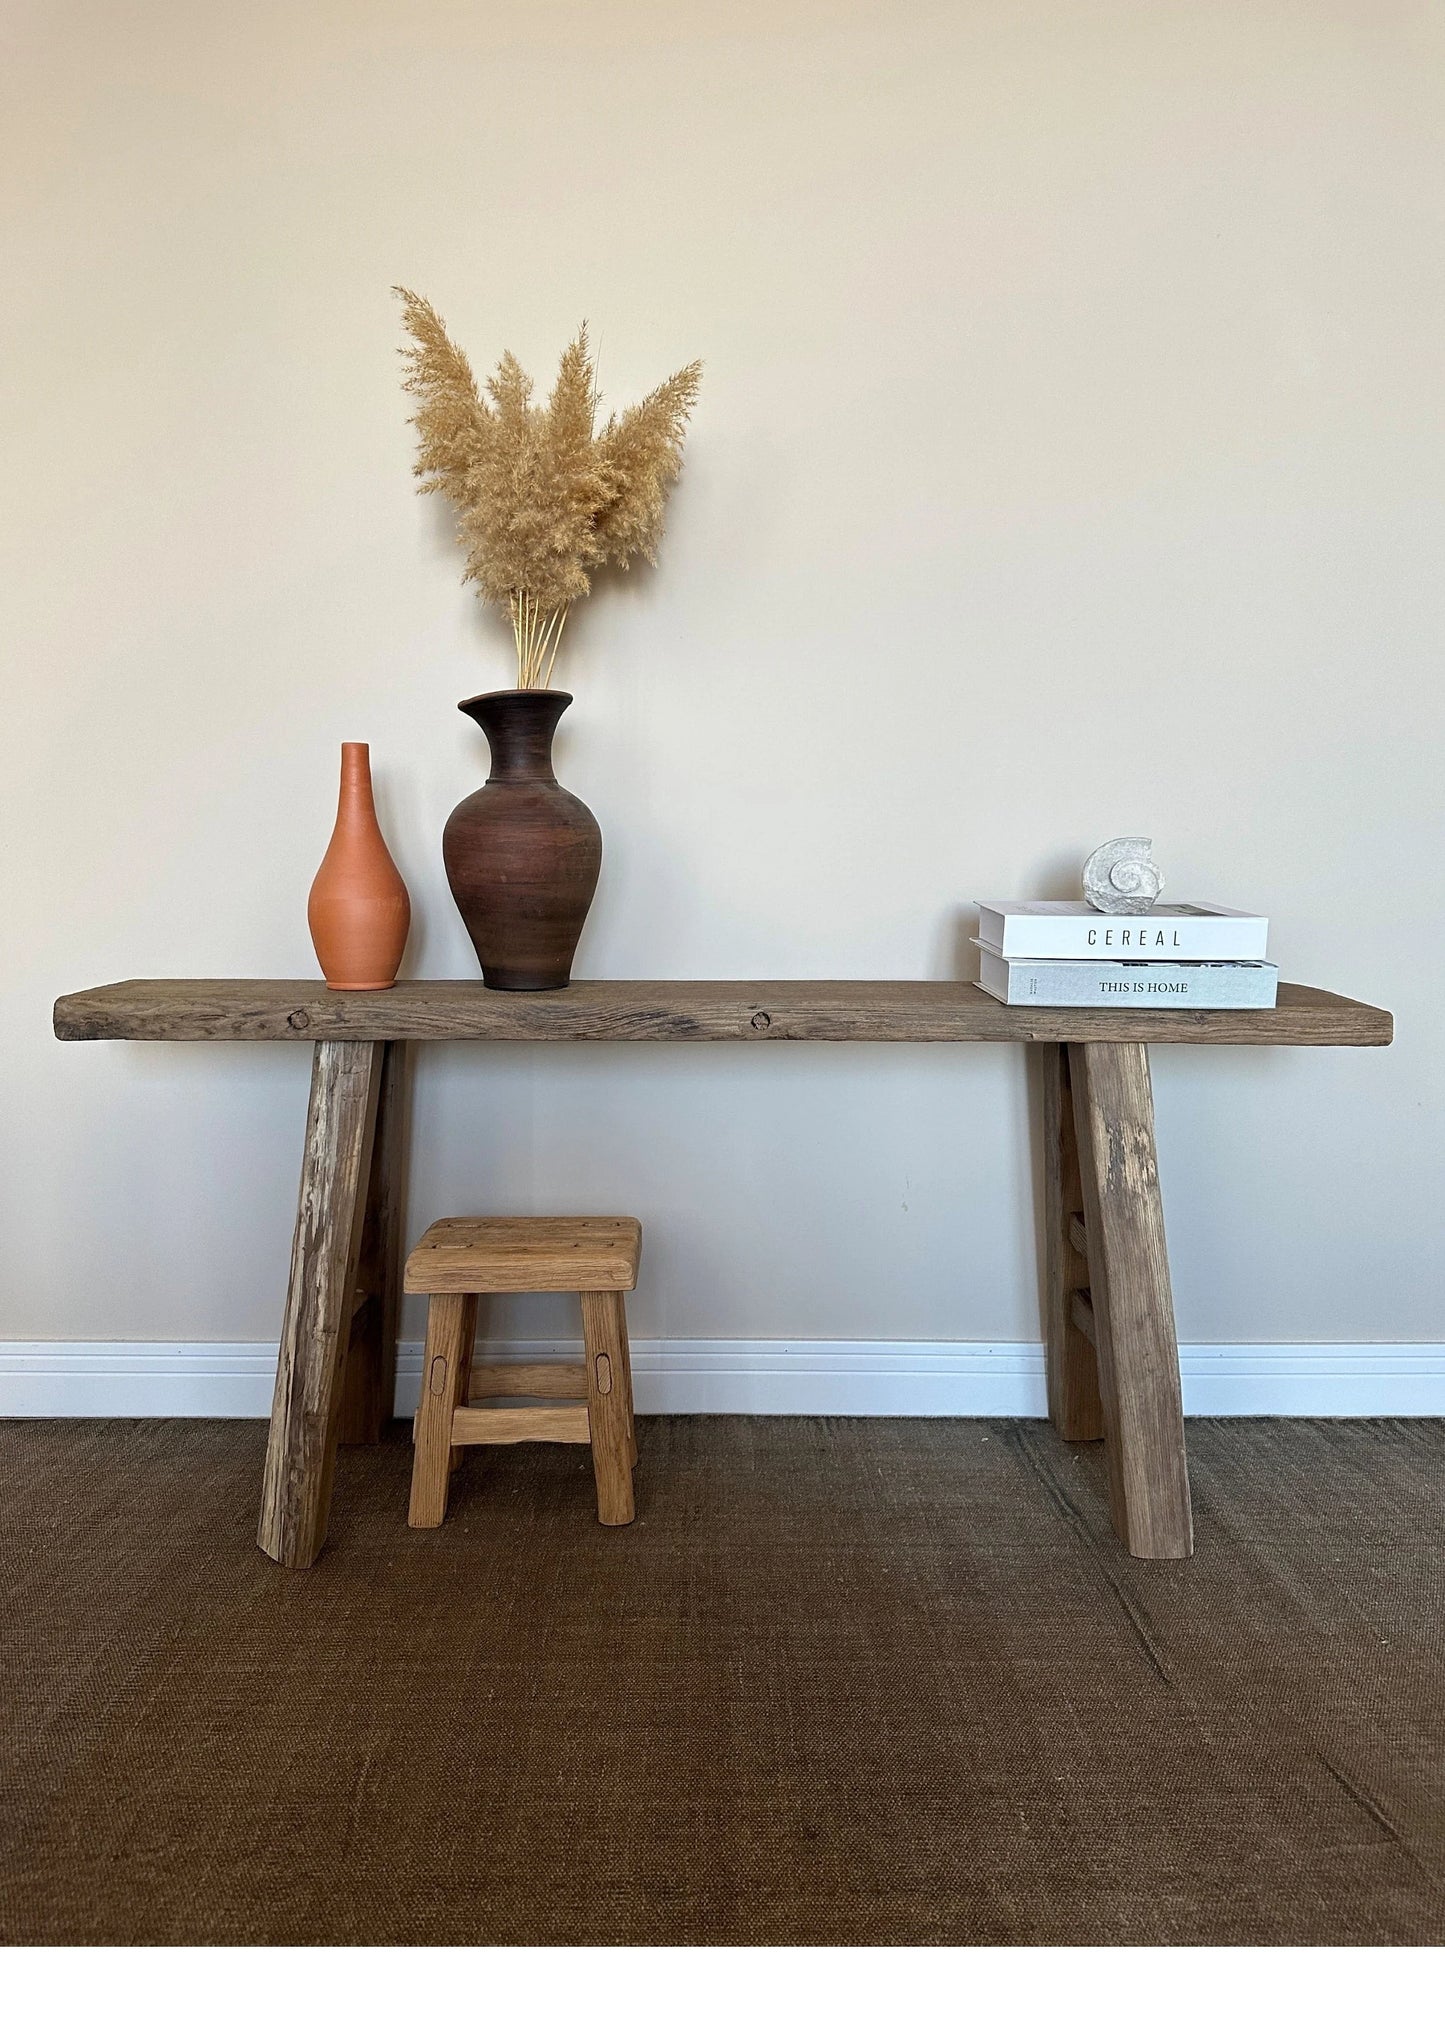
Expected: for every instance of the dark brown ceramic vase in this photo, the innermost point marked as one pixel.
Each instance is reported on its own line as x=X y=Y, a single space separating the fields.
x=522 y=854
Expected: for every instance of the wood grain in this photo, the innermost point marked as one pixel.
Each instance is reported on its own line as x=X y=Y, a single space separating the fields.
x=241 y=1009
x=464 y=1385
x=528 y=1380
x=609 y=1405
x=369 y=1382
x=527 y=1253
x=1071 y=1365
x=335 y=1166
x=511 y=1424
x=623 y=1350
x=1132 y=1304
x=451 y=1325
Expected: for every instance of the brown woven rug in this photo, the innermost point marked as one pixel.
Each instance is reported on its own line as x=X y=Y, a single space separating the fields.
x=852 y=1680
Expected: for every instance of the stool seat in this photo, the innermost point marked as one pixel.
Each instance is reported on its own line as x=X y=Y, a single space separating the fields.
x=527 y=1253
x=463 y=1257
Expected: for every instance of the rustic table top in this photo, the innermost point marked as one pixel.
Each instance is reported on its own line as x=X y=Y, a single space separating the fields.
x=242 y=1008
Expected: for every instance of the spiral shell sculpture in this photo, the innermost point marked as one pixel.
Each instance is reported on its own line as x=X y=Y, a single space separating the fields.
x=1121 y=877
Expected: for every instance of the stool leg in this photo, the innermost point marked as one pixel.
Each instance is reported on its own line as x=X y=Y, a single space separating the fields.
x=604 y=1330
x=624 y=1357
x=450 y=1323
x=464 y=1381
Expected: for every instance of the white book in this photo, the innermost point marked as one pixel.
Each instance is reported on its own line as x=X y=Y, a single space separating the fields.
x=1071 y=927
x=1035 y=980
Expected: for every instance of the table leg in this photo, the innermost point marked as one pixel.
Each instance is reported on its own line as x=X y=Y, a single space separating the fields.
x=1131 y=1299
x=346 y=1078
x=368 y=1391
x=1073 y=1374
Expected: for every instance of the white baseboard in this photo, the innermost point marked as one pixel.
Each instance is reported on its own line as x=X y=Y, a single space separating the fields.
x=233 y=1380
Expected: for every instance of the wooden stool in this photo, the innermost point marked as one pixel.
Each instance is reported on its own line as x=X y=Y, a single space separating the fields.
x=594 y=1255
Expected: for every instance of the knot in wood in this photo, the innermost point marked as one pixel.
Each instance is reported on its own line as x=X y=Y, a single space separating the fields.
x=761 y=1022
x=298 y=1020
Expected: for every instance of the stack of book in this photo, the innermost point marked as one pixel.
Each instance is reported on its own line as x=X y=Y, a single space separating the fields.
x=1061 y=952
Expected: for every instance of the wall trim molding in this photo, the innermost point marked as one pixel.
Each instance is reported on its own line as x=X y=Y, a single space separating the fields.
x=233 y=1380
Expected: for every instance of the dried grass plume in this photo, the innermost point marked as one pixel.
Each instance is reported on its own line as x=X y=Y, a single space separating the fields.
x=543 y=497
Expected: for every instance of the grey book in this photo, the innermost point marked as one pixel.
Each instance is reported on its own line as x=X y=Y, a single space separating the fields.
x=1043 y=980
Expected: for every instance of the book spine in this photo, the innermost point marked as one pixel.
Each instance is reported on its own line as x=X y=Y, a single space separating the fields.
x=1120 y=938
x=1219 y=986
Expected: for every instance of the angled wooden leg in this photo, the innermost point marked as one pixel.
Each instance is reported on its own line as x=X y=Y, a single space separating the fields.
x=368 y=1390
x=624 y=1361
x=604 y=1330
x=1131 y=1299
x=450 y=1323
x=464 y=1379
x=301 y=1451
x=1073 y=1375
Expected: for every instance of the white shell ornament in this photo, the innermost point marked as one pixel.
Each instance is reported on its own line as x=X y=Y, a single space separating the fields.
x=1121 y=877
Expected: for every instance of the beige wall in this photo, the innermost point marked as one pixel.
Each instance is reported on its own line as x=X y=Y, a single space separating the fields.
x=1069 y=463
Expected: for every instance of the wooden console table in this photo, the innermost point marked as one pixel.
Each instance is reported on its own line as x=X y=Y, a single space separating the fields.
x=1113 y=1360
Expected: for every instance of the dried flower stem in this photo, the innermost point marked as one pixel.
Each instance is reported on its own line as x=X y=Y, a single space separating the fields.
x=538 y=636
x=556 y=642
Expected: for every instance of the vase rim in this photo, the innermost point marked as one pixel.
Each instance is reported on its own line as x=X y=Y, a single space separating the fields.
x=561 y=695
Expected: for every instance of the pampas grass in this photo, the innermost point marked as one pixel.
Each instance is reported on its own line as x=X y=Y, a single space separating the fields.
x=543 y=497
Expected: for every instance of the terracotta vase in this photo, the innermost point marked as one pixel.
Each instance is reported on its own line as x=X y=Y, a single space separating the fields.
x=359 y=911
x=522 y=854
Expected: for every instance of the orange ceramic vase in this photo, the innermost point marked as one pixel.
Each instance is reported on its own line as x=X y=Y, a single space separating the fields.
x=359 y=911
